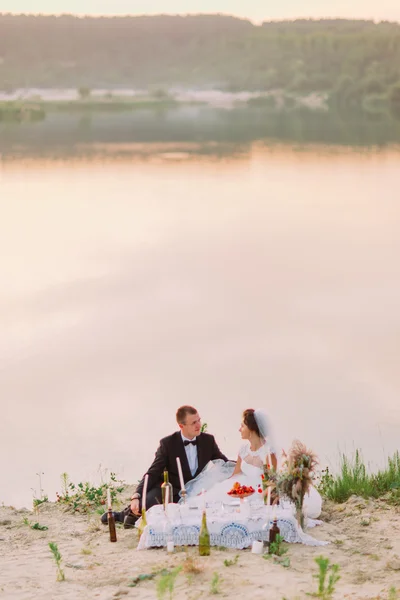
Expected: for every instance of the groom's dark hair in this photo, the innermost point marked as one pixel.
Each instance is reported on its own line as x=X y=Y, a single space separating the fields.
x=183 y=411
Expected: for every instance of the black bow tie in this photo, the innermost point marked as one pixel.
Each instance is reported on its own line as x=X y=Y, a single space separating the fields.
x=187 y=442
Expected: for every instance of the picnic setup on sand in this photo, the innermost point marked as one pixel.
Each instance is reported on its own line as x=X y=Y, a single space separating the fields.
x=207 y=500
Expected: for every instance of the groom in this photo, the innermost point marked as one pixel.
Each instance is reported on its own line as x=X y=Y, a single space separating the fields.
x=195 y=450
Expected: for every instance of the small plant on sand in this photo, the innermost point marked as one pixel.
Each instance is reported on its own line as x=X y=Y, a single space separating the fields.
x=43 y=498
x=215 y=584
x=325 y=482
x=276 y=551
x=85 y=497
x=166 y=583
x=35 y=526
x=143 y=577
x=231 y=563
x=39 y=501
x=41 y=491
x=326 y=589
x=39 y=527
x=276 y=548
x=58 y=559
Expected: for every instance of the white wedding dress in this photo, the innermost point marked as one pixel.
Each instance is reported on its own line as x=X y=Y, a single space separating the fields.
x=216 y=480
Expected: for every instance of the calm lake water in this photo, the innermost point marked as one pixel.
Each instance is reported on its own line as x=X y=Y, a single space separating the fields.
x=129 y=286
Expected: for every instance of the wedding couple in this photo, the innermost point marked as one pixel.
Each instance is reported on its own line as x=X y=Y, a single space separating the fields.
x=203 y=464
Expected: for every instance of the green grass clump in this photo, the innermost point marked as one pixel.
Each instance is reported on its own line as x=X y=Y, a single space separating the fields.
x=85 y=497
x=58 y=560
x=354 y=479
x=166 y=583
x=215 y=584
x=231 y=563
x=36 y=526
x=326 y=588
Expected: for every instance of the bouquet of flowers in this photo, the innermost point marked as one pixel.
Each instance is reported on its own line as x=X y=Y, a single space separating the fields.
x=295 y=478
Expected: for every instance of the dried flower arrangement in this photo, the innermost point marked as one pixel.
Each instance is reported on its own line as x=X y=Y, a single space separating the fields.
x=295 y=478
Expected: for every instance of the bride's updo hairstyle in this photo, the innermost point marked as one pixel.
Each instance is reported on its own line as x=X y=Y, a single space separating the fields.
x=250 y=421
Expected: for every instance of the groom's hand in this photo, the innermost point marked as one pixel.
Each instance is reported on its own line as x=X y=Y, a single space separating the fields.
x=135 y=507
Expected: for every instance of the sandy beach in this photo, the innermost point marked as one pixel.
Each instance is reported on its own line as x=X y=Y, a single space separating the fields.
x=364 y=542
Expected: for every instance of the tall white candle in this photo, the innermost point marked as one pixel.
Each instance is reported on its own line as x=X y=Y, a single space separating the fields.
x=146 y=480
x=108 y=498
x=181 y=481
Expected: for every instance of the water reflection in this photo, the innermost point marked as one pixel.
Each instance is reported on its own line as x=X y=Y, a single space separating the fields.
x=195 y=129
x=130 y=287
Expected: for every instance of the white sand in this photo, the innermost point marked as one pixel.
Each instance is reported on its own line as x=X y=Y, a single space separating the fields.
x=367 y=555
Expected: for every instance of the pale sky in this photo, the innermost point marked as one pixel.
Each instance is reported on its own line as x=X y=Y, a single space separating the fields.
x=256 y=10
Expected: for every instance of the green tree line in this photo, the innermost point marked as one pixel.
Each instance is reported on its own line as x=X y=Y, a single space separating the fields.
x=354 y=62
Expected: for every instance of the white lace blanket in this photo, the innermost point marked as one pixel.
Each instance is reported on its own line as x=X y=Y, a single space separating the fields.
x=229 y=526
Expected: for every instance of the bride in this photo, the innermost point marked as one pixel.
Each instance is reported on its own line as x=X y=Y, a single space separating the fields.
x=217 y=478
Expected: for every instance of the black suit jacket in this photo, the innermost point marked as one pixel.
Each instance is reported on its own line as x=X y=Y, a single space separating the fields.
x=172 y=446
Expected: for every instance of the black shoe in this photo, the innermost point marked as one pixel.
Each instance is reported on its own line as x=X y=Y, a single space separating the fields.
x=118 y=516
x=130 y=520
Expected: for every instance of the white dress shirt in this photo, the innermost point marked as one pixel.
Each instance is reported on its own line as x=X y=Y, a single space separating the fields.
x=191 y=453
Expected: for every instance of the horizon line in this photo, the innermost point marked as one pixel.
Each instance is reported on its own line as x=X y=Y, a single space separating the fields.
x=196 y=14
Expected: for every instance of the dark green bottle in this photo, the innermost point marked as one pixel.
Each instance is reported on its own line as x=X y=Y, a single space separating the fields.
x=204 y=537
x=167 y=485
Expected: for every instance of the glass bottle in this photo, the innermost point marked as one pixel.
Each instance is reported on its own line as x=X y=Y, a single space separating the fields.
x=167 y=485
x=273 y=532
x=204 y=537
x=111 y=526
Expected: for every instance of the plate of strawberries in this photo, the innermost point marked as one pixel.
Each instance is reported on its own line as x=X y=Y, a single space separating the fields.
x=241 y=491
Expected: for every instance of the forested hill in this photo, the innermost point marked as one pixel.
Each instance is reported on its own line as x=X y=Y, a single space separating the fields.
x=216 y=51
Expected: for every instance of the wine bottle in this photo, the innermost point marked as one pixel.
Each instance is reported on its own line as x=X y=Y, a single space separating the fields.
x=166 y=485
x=273 y=532
x=204 y=537
x=111 y=526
